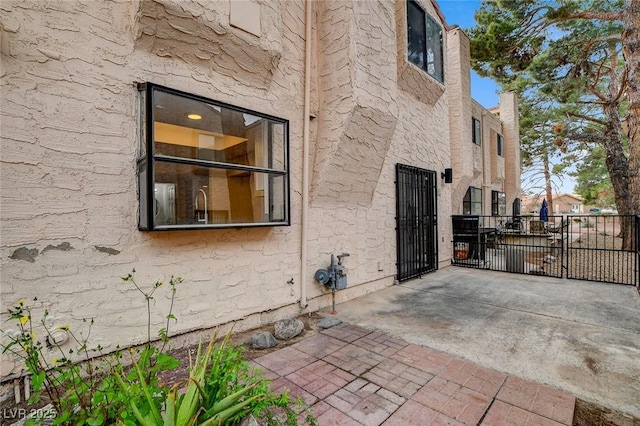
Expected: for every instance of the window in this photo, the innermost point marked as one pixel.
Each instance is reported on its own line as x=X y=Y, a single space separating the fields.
x=476 y=131
x=500 y=145
x=498 y=203
x=472 y=201
x=205 y=164
x=424 y=44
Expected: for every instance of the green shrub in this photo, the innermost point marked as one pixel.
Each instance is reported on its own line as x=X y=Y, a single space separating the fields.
x=97 y=389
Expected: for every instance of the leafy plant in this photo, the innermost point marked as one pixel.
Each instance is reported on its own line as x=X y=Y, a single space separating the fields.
x=101 y=389
x=222 y=389
x=80 y=381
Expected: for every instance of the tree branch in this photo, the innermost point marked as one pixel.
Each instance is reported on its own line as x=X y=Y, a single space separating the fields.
x=597 y=94
x=623 y=86
x=587 y=118
x=600 y=16
x=586 y=137
x=610 y=37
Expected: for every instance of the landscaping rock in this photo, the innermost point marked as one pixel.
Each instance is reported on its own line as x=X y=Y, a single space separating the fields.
x=263 y=340
x=328 y=322
x=288 y=328
x=249 y=421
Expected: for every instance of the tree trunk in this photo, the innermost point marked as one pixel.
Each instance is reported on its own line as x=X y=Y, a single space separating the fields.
x=618 y=167
x=547 y=177
x=631 y=51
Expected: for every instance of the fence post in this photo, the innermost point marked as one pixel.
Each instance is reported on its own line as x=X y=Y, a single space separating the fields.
x=637 y=251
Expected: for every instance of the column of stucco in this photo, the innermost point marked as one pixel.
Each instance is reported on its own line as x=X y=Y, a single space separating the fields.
x=496 y=170
x=357 y=113
x=511 y=132
x=459 y=110
x=478 y=152
x=493 y=178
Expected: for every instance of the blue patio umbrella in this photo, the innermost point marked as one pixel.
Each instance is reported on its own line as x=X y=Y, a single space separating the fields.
x=544 y=211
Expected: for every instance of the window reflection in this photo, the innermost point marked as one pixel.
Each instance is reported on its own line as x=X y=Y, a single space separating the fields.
x=215 y=133
x=194 y=195
x=425 y=41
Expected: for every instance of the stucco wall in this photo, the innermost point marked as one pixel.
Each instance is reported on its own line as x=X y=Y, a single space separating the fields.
x=68 y=161
x=69 y=137
x=479 y=165
x=511 y=131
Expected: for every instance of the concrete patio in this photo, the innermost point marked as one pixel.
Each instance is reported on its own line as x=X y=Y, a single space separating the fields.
x=579 y=336
x=465 y=346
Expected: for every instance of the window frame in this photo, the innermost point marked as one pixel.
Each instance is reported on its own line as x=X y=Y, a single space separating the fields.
x=430 y=24
x=500 y=145
x=147 y=159
x=468 y=203
x=476 y=131
x=496 y=203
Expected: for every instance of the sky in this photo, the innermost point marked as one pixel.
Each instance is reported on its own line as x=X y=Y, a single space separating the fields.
x=484 y=90
x=460 y=12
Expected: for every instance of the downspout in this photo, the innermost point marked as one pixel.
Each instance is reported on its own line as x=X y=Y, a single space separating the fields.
x=305 y=155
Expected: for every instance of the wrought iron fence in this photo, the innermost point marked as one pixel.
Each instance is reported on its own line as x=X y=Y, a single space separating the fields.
x=521 y=244
x=602 y=248
x=589 y=247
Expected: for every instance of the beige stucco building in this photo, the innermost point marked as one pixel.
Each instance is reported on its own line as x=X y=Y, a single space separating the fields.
x=562 y=204
x=294 y=158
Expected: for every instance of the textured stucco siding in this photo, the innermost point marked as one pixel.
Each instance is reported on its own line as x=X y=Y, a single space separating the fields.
x=69 y=144
x=366 y=124
x=358 y=109
x=69 y=140
x=479 y=165
x=458 y=81
x=509 y=117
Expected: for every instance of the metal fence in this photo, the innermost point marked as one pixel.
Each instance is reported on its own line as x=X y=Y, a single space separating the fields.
x=602 y=248
x=589 y=247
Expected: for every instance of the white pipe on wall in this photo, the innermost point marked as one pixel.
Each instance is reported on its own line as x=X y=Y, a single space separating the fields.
x=305 y=155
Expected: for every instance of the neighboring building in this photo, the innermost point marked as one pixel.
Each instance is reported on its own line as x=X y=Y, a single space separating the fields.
x=169 y=136
x=562 y=204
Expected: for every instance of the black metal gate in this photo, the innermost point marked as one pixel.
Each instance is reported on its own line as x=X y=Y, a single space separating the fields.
x=416 y=221
x=596 y=247
x=603 y=248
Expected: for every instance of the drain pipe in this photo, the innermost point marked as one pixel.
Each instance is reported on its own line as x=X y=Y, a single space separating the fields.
x=305 y=155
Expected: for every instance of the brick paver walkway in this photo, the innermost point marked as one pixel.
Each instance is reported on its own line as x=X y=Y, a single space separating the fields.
x=353 y=376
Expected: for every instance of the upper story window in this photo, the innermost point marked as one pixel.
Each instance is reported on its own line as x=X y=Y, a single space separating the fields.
x=472 y=201
x=500 y=145
x=424 y=42
x=206 y=164
x=498 y=203
x=476 y=131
